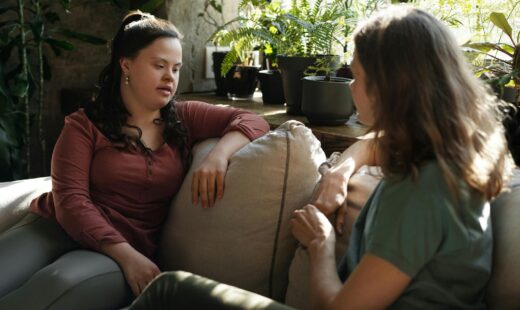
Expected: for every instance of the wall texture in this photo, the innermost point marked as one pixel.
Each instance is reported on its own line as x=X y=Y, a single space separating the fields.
x=184 y=14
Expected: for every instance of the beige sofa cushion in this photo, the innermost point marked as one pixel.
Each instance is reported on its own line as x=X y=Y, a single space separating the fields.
x=504 y=286
x=16 y=196
x=360 y=187
x=245 y=239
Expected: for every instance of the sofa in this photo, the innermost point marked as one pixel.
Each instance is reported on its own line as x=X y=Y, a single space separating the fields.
x=245 y=240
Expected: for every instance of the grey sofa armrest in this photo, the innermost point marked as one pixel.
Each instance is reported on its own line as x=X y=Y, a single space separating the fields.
x=16 y=196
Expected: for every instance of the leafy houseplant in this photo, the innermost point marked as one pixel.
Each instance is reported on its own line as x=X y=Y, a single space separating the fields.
x=25 y=29
x=213 y=15
x=253 y=29
x=502 y=63
x=28 y=30
x=307 y=32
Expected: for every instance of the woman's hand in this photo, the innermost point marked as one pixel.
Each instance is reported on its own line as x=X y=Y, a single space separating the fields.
x=312 y=228
x=137 y=268
x=208 y=180
x=331 y=196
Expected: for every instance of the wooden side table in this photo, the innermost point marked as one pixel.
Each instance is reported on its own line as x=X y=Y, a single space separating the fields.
x=332 y=138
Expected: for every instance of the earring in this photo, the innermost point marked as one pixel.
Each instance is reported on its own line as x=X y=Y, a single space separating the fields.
x=127 y=80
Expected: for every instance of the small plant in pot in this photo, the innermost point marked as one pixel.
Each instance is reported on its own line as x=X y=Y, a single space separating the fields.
x=309 y=31
x=213 y=15
x=242 y=77
x=326 y=99
x=252 y=29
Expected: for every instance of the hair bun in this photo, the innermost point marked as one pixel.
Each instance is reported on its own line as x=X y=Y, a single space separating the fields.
x=135 y=16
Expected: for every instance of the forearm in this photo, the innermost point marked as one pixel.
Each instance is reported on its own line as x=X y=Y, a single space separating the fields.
x=119 y=252
x=325 y=283
x=229 y=144
x=363 y=152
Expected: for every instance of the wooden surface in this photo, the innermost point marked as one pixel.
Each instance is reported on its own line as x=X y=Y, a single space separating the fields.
x=332 y=138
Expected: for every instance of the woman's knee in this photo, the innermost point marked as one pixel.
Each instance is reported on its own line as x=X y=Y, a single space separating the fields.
x=77 y=280
x=27 y=247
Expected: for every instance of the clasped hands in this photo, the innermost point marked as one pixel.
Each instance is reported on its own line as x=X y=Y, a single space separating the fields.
x=310 y=224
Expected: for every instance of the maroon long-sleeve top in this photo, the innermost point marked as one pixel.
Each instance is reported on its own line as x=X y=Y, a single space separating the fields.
x=101 y=194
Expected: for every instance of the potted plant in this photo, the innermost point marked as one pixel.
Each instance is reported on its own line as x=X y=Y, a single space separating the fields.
x=502 y=63
x=326 y=99
x=501 y=68
x=213 y=15
x=251 y=30
x=308 y=31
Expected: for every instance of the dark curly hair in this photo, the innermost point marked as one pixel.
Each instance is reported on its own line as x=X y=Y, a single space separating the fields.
x=107 y=111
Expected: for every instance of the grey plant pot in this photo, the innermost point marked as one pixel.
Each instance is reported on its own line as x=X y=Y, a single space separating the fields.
x=292 y=68
x=327 y=103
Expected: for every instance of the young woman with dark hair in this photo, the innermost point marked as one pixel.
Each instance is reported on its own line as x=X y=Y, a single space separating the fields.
x=423 y=239
x=115 y=168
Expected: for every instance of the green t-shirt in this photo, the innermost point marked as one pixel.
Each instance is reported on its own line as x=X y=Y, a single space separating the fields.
x=419 y=227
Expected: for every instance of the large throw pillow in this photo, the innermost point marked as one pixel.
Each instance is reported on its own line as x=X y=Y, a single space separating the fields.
x=16 y=196
x=245 y=240
x=360 y=187
x=504 y=288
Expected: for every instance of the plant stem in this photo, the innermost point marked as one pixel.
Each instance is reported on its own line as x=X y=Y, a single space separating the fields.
x=41 y=133
x=25 y=98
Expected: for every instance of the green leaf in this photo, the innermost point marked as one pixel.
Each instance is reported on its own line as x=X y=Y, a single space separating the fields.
x=508 y=48
x=151 y=5
x=84 y=37
x=59 y=44
x=21 y=85
x=483 y=47
x=216 y=6
x=499 y=20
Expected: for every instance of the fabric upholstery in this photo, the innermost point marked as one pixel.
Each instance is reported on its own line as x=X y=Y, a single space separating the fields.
x=16 y=196
x=245 y=240
x=504 y=288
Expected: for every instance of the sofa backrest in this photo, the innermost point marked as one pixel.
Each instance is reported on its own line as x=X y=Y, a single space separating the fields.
x=245 y=240
x=504 y=286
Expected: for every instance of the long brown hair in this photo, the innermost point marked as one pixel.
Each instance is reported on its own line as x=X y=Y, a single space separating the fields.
x=137 y=31
x=428 y=104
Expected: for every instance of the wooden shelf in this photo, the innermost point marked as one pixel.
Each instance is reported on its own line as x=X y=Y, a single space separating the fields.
x=332 y=138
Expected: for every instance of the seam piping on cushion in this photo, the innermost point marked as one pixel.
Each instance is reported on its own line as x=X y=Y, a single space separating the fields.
x=280 y=214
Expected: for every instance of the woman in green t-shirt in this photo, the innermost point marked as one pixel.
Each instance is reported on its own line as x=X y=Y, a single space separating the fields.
x=423 y=239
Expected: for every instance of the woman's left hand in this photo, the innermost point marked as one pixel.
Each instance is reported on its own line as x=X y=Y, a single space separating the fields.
x=311 y=226
x=208 y=180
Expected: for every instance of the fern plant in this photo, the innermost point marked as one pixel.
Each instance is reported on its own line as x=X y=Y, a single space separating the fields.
x=253 y=28
x=301 y=30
